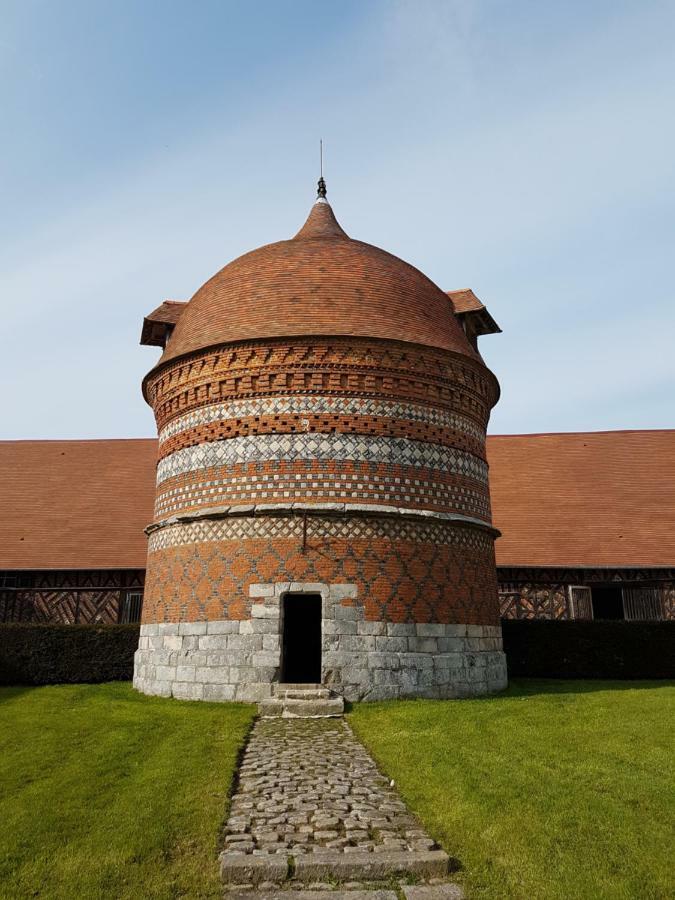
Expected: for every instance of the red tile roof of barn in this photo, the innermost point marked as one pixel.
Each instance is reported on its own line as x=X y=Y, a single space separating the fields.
x=75 y=504
x=602 y=498
x=589 y=499
x=321 y=282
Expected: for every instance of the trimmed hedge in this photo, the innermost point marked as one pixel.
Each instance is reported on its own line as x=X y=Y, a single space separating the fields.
x=66 y=654
x=538 y=648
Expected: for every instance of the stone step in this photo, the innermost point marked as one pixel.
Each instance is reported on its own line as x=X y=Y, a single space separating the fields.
x=299 y=708
x=312 y=694
x=240 y=868
x=282 y=689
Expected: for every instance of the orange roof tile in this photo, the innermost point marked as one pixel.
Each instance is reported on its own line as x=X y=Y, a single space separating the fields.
x=591 y=499
x=75 y=504
x=321 y=282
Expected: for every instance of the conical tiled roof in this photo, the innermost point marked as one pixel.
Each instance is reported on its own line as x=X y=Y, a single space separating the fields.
x=319 y=283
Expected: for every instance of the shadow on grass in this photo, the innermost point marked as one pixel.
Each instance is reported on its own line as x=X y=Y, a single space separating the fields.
x=9 y=692
x=533 y=687
x=519 y=687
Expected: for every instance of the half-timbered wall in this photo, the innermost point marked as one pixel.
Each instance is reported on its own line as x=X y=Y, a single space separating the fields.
x=565 y=593
x=106 y=596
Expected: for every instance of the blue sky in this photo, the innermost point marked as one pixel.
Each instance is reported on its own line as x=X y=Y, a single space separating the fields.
x=523 y=149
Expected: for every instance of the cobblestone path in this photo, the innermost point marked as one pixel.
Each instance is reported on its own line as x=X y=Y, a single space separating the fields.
x=311 y=803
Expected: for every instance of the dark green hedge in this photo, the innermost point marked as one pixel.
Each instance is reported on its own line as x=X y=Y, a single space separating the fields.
x=599 y=649
x=62 y=654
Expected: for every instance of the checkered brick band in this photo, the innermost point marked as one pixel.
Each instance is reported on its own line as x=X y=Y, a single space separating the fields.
x=319 y=405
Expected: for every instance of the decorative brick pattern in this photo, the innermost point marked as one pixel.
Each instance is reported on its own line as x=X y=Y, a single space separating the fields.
x=344 y=367
x=278 y=407
x=404 y=571
x=307 y=480
x=334 y=447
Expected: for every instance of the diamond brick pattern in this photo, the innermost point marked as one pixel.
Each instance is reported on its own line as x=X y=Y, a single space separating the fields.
x=405 y=571
x=335 y=447
x=291 y=527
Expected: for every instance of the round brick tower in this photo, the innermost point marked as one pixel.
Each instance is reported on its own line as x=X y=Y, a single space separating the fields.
x=322 y=511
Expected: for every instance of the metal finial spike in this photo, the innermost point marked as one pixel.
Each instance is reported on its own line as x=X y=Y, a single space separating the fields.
x=321 y=192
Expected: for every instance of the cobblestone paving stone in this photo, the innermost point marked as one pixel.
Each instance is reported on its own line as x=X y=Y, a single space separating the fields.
x=307 y=786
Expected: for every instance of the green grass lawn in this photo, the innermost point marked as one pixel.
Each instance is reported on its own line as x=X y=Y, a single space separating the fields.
x=105 y=793
x=551 y=790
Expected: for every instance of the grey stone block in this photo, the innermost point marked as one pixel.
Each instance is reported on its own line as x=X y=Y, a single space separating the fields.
x=343 y=591
x=213 y=674
x=219 y=692
x=214 y=641
x=265 y=626
x=187 y=690
x=400 y=629
x=309 y=894
x=423 y=645
x=451 y=644
x=159 y=689
x=268 y=658
x=261 y=611
x=172 y=641
x=374 y=628
x=223 y=626
x=244 y=642
x=340 y=626
x=166 y=673
x=308 y=587
x=192 y=628
x=168 y=628
x=247 y=869
x=261 y=590
x=185 y=673
x=370 y=866
x=430 y=629
x=387 y=644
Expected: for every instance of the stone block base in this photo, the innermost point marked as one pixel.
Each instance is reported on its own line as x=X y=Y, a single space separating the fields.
x=241 y=660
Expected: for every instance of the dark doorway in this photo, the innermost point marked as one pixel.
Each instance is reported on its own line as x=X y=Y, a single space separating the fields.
x=301 y=660
x=607 y=601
